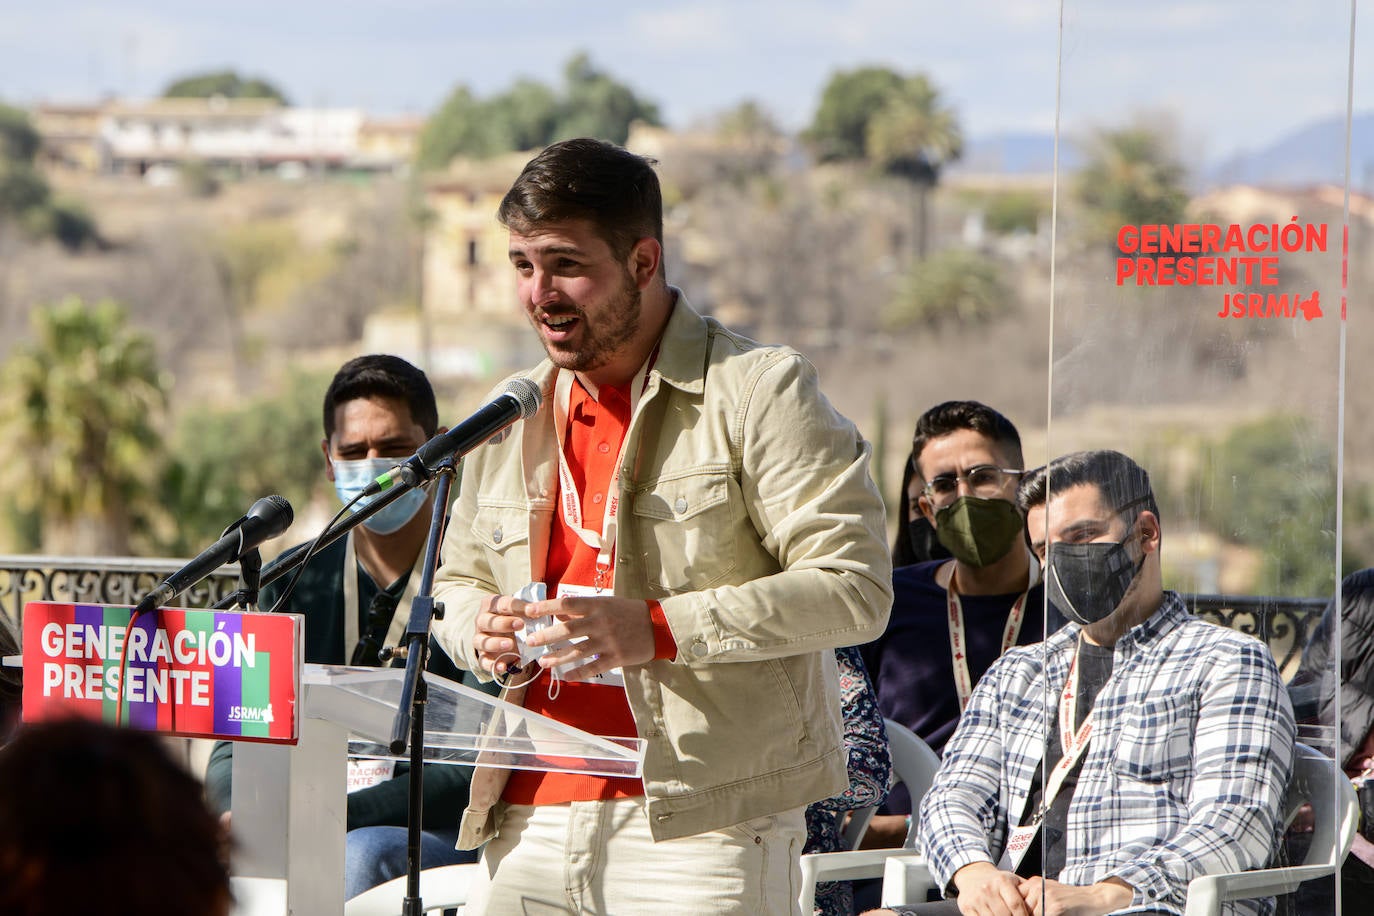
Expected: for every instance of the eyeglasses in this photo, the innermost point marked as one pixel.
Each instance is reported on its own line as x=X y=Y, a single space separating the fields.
x=982 y=479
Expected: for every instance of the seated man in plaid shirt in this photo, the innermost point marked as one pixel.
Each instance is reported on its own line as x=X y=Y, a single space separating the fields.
x=1167 y=742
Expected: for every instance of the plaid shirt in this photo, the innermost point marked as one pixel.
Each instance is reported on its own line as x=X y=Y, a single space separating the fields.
x=1185 y=773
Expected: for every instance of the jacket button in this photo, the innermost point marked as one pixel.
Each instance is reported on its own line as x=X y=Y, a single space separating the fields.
x=496 y=535
x=680 y=506
x=699 y=647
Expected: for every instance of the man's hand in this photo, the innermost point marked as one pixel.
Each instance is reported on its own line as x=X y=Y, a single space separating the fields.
x=494 y=638
x=619 y=632
x=1050 y=898
x=985 y=890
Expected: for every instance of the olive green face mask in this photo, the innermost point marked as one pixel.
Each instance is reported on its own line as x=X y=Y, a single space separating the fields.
x=978 y=531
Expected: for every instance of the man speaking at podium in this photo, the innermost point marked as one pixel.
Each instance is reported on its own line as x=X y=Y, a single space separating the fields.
x=355 y=595
x=704 y=525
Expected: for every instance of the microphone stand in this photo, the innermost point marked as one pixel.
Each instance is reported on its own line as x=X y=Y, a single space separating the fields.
x=409 y=724
x=410 y=712
x=250 y=576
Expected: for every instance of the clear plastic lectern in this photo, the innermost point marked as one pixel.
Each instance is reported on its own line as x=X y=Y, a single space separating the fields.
x=290 y=803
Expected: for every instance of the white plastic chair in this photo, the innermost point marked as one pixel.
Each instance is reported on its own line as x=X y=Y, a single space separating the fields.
x=1315 y=780
x=441 y=888
x=914 y=764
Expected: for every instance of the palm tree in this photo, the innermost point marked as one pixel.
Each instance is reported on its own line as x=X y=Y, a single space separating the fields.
x=79 y=425
x=952 y=287
x=913 y=136
x=1132 y=177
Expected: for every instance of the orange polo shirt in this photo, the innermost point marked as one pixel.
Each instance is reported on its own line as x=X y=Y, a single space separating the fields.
x=592 y=442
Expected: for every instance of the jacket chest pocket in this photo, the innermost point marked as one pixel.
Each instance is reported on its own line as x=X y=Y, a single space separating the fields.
x=684 y=530
x=1156 y=742
x=504 y=533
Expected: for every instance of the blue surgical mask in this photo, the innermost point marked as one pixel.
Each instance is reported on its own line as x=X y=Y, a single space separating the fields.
x=352 y=477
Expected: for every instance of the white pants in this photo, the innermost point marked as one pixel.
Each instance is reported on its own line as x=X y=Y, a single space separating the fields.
x=598 y=858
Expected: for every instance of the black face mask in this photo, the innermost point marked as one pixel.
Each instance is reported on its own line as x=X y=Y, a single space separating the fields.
x=1088 y=581
x=921 y=539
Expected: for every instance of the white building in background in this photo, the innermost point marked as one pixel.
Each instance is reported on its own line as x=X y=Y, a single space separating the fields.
x=247 y=135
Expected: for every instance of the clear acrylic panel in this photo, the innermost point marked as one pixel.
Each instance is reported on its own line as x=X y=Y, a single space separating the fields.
x=462 y=725
x=1198 y=327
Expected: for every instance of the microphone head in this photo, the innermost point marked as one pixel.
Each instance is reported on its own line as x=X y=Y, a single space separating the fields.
x=526 y=394
x=275 y=513
x=527 y=397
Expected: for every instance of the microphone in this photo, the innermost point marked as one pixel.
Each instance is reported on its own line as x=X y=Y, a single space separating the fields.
x=267 y=518
x=519 y=400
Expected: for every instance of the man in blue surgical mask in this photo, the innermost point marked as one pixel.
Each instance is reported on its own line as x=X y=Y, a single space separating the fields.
x=355 y=595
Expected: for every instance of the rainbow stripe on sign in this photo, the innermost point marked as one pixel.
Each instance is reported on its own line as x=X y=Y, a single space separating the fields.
x=201 y=674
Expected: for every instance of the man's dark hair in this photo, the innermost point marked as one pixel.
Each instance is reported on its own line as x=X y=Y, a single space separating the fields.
x=100 y=819
x=612 y=188
x=951 y=416
x=1124 y=485
x=381 y=376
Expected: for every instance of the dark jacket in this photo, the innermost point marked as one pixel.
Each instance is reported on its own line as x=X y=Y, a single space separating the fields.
x=1357 y=663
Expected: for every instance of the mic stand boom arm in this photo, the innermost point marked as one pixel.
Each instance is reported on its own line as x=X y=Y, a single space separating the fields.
x=285 y=563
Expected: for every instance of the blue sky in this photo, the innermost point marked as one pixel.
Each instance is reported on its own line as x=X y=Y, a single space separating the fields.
x=1232 y=74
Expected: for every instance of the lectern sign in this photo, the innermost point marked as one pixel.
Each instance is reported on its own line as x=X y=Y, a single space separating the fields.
x=204 y=674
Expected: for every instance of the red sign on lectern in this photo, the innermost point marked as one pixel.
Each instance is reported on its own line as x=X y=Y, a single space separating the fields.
x=202 y=674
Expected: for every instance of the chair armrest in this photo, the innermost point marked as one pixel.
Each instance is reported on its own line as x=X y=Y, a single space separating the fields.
x=443 y=887
x=1206 y=893
x=841 y=866
x=258 y=896
x=906 y=879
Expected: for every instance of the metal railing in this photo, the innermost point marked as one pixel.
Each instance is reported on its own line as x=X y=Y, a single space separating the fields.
x=99 y=580
x=1282 y=623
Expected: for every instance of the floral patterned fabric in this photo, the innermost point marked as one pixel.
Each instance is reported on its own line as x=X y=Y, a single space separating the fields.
x=870 y=773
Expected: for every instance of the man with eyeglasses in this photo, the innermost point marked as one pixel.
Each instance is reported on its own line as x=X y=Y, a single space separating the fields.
x=952 y=618
x=1137 y=748
x=355 y=595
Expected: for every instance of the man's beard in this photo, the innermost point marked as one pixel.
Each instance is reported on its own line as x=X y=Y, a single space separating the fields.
x=618 y=324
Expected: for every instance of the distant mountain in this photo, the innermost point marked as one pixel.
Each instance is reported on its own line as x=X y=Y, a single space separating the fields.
x=1309 y=155
x=1008 y=154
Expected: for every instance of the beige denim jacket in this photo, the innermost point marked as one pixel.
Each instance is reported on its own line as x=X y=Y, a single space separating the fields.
x=748 y=512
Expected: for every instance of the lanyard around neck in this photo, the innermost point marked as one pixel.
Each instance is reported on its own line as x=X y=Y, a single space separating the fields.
x=1072 y=742
x=958 y=647
x=399 y=619
x=569 y=499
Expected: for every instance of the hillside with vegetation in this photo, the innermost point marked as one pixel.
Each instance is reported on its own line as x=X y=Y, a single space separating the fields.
x=234 y=298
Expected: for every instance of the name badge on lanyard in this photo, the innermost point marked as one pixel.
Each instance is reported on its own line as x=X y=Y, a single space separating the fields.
x=1072 y=743
x=570 y=500
x=570 y=503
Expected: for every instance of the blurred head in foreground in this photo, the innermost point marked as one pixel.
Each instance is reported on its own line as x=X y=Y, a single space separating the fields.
x=95 y=819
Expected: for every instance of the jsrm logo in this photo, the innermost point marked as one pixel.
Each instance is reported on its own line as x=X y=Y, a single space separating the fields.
x=250 y=713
